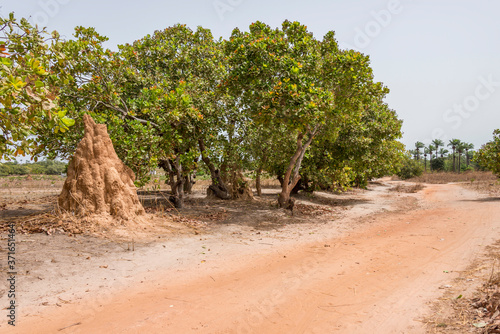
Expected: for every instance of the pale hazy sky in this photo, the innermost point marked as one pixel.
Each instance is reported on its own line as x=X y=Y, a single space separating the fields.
x=440 y=59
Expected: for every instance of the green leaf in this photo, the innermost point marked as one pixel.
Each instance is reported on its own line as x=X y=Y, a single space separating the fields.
x=39 y=84
x=6 y=61
x=68 y=121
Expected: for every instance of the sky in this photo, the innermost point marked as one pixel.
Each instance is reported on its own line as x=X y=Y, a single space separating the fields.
x=439 y=58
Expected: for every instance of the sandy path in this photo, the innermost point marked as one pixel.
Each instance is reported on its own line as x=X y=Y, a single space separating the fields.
x=377 y=279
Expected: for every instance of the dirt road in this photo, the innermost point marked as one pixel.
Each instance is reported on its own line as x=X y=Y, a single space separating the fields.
x=377 y=278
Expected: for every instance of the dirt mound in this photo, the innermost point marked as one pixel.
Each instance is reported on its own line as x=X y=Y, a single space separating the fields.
x=98 y=182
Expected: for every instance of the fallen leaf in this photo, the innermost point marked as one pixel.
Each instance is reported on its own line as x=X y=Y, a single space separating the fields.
x=480 y=324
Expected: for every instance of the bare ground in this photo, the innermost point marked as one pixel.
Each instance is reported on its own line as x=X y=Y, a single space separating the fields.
x=375 y=261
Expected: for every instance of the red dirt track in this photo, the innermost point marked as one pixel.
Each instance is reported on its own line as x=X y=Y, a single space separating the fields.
x=377 y=279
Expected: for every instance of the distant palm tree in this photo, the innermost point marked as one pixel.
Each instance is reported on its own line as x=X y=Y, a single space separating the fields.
x=413 y=153
x=426 y=151
x=453 y=144
x=437 y=143
x=468 y=147
x=431 y=149
x=460 y=149
x=442 y=152
x=418 y=146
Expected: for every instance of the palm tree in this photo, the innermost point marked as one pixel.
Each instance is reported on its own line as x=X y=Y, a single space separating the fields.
x=426 y=151
x=460 y=149
x=453 y=144
x=413 y=153
x=431 y=149
x=418 y=146
x=442 y=152
x=437 y=143
x=468 y=147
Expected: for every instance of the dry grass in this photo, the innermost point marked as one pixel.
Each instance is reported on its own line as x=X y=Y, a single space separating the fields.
x=32 y=181
x=485 y=187
x=408 y=188
x=472 y=304
x=448 y=177
x=29 y=188
x=201 y=185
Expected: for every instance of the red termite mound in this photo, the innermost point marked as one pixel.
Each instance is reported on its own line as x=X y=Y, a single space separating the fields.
x=98 y=182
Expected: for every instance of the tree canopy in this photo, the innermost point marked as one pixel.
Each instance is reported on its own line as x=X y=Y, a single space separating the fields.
x=269 y=99
x=489 y=154
x=29 y=88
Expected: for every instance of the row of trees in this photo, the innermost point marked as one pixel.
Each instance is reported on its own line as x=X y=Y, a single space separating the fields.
x=265 y=100
x=437 y=153
x=47 y=167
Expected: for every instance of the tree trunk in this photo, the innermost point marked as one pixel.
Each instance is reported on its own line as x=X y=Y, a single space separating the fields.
x=289 y=179
x=218 y=187
x=258 y=186
x=188 y=183
x=179 y=200
x=176 y=180
x=454 y=158
x=459 y=158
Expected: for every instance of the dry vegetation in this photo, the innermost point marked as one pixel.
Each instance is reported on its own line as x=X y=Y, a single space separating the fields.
x=32 y=202
x=472 y=303
x=408 y=188
x=447 y=177
x=483 y=182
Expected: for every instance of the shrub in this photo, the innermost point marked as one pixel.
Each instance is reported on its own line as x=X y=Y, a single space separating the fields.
x=437 y=164
x=410 y=168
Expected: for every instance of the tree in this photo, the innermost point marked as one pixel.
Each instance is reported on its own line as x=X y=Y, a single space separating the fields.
x=437 y=144
x=367 y=143
x=157 y=96
x=418 y=146
x=442 y=152
x=437 y=164
x=274 y=73
x=103 y=83
x=453 y=143
x=178 y=59
x=488 y=156
x=467 y=147
x=28 y=91
x=426 y=151
x=460 y=149
x=431 y=149
x=409 y=168
x=413 y=153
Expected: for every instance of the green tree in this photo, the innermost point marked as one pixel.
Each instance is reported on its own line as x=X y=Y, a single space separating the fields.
x=460 y=149
x=431 y=148
x=468 y=147
x=488 y=156
x=28 y=87
x=275 y=75
x=157 y=97
x=437 y=164
x=426 y=151
x=443 y=152
x=418 y=146
x=191 y=63
x=453 y=143
x=409 y=168
x=437 y=143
